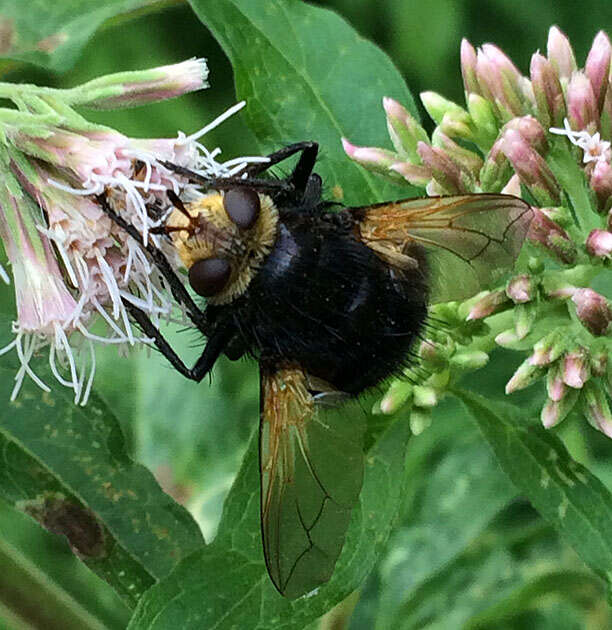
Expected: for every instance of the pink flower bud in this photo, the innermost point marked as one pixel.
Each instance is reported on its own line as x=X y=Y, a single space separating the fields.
x=548 y=349
x=597 y=409
x=554 y=412
x=513 y=187
x=404 y=130
x=467 y=160
x=414 y=174
x=552 y=236
x=555 y=387
x=601 y=183
x=531 y=130
x=560 y=53
x=129 y=89
x=370 y=157
x=468 y=68
x=592 y=310
x=520 y=289
x=582 y=109
x=525 y=375
x=531 y=168
x=576 y=369
x=490 y=303
x=499 y=80
x=444 y=170
x=547 y=91
x=597 y=67
x=397 y=395
x=599 y=243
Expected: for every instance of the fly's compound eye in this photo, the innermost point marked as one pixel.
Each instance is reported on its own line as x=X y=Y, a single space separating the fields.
x=209 y=276
x=242 y=206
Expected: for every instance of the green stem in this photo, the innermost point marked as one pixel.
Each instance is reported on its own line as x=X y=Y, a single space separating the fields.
x=29 y=596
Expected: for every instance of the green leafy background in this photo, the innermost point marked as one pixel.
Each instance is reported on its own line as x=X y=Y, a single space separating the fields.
x=485 y=520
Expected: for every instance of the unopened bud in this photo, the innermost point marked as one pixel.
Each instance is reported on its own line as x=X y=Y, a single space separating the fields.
x=601 y=183
x=524 y=318
x=468 y=68
x=599 y=243
x=398 y=394
x=420 y=419
x=592 y=310
x=459 y=125
x=491 y=302
x=432 y=354
x=437 y=107
x=555 y=387
x=525 y=375
x=513 y=187
x=552 y=236
x=576 y=369
x=508 y=339
x=370 y=157
x=129 y=89
x=597 y=409
x=404 y=130
x=469 y=360
x=547 y=91
x=560 y=53
x=582 y=110
x=548 y=349
x=597 y=67
x=424 y=396
x=414 y=174
x=554 y=412
x=500 y=81
x=531 y=130
x=482 y=113
x=520 y=288
x=467 y=160
x=444 y=170
x=496 y=170
x=531 y=168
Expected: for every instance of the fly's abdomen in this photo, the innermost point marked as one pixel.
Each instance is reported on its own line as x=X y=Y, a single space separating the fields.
x=326 y=302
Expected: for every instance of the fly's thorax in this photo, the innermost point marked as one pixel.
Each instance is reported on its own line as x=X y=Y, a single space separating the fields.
x=211 y=234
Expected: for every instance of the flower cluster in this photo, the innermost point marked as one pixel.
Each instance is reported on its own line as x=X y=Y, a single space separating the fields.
x=545 y=137
x=73 y=268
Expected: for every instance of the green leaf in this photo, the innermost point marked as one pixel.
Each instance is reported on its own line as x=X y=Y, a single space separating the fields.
x=62 y=578
x=460 y=494
x=67 y=467
x=307 y=75
x=52 y=34
x=228 y=583
x=563 y=491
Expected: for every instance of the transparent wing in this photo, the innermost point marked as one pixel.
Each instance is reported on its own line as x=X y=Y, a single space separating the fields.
x=311 y=459
x=471 y=239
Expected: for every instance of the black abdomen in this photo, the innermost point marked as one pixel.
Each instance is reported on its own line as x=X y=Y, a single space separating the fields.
x=327 y=302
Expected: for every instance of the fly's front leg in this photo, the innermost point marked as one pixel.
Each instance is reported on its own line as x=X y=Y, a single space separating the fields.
x=179 y=292
x=302 y=172
x=214 y=346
